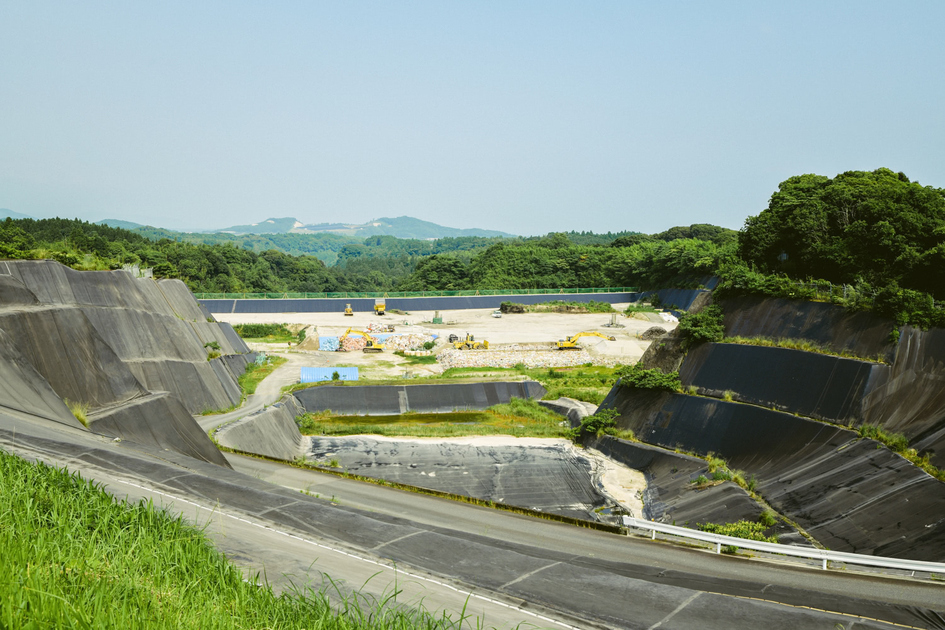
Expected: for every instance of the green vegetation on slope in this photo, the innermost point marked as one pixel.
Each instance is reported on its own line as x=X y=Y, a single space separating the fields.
x=71 y=556
x=519 y=418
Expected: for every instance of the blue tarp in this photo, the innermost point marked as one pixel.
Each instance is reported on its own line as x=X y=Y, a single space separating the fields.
x=318 y=374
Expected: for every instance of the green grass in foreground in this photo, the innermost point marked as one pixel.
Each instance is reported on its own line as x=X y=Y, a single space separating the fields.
x=71 y=556
x=519 y=418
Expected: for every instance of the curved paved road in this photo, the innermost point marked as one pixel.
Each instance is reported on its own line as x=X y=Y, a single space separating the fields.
x=787 y=585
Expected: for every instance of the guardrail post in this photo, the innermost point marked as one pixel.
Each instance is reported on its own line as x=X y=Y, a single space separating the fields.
x=823 y=557
x=718 y=547
x=653 y=535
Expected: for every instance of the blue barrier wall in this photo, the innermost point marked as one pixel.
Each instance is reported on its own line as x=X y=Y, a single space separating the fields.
x=443 y=303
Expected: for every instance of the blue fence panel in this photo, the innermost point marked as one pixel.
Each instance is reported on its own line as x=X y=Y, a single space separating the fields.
x=318 y=374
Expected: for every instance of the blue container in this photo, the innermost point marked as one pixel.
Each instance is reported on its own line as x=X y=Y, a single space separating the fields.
x=318 y=374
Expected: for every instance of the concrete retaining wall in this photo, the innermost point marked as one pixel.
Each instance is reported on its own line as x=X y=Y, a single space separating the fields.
x=815 y=385
x=159 y=420
x=387 y=400
x=850 y=494
x=108 y=340
x=271 y=432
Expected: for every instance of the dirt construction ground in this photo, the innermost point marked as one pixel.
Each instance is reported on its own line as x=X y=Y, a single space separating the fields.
x=525 y=336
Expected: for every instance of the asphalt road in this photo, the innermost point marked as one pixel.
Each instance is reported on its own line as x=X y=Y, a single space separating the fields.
x=659 y=562
x=502 y=568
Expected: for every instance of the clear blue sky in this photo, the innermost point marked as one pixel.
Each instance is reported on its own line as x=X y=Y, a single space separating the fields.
x=527 y=117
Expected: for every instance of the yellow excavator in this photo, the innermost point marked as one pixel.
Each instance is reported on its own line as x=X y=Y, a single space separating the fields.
x=571 y=342
x=469 y=343
x=373 y=345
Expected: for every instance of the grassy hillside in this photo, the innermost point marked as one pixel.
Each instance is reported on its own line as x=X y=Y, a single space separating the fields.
x=71 y=556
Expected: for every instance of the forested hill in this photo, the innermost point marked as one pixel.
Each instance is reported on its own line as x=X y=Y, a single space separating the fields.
x=378 y=263
x=877 y=233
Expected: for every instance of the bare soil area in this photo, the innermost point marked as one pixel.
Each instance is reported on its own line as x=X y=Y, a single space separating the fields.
x=522 y=332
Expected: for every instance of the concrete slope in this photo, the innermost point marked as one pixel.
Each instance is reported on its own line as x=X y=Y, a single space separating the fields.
x=110 y=341
x=547 y=475
x=671 y=496
x=911 y=399
x=810 y=384
x=862 y=334
x=271 y=431
x=159 y=420
x=23 y=389
x=851 y=494
x=382 y=400
x=68 y=352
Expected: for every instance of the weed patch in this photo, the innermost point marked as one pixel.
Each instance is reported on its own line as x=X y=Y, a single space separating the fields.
x=80 y=410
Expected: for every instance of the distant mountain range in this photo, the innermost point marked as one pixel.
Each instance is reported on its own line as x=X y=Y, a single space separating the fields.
x=400 y=227
x=4 y=213
x=118 y=223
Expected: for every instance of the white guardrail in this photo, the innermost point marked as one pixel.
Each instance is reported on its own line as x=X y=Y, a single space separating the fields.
x=823 y=555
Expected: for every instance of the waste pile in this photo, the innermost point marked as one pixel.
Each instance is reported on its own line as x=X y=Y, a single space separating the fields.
x=392 y=343
x=653 y=333
x=413 y=341
x=529 y=358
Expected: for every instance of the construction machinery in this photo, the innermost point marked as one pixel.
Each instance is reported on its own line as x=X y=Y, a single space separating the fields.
x=469 y=343
x=571 y=342
x=348 y=310
x=380 y=306
x=372 y=345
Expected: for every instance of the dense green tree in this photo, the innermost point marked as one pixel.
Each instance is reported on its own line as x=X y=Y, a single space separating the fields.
x=437 y=273
x=702 y=231
x=876 y=226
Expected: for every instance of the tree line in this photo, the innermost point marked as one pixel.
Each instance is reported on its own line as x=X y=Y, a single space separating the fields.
x=877 y=232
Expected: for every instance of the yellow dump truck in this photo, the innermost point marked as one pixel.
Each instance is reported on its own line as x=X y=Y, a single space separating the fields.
x=380 y=306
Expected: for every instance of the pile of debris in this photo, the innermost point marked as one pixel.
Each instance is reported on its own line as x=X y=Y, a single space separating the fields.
x=653 y=333
x=529 y=358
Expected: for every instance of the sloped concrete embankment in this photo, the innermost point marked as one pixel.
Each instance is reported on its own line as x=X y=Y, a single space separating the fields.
x=671 y=497
x=862 y=334
x=910 y=399
x=107 y=340
x=904 y=394
x=850 y=494
x=271 y=432
x=388 y=400
x=157 y=419
x=814 y=385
